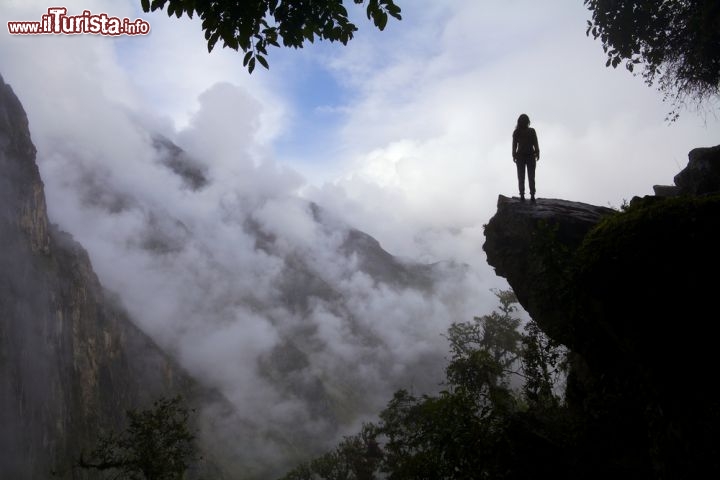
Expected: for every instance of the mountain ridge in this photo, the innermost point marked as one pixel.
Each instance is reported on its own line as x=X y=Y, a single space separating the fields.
x=71 y=362
x=62 y=330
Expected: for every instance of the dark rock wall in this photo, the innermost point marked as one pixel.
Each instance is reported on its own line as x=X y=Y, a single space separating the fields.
x=71 y=362
x=530 y=245
x=702 y=173
x=633 y=295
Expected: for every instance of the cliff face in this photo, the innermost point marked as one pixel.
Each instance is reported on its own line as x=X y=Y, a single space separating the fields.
x=71 y=363
x=631 y=294
x=528 y=244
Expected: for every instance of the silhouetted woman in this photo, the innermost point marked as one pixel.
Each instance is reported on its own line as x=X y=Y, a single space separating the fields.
x=526 y=154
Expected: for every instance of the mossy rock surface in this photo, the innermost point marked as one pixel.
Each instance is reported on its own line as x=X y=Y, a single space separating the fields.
x=647 y=275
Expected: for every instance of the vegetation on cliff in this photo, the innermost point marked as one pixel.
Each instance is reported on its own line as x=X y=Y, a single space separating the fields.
x=632 y=299
x=157 y=444
x=644 y=306
x=501 y=400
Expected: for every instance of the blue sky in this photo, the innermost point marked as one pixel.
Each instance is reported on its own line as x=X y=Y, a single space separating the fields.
x=417 y=117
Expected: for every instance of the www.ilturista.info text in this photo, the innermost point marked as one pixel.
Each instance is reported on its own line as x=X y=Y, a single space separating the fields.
x=58 y=22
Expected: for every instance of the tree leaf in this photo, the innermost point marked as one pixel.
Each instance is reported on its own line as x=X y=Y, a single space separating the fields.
x=381 y=20
x=247 y=58
x=393 y=10
x=213 y=40
x=263 y=62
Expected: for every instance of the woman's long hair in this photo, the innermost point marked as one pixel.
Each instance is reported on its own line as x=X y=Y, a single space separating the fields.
x=523 y=122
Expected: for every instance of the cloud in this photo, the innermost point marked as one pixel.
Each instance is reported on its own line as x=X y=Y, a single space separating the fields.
x=251 y=287
x=429 y=129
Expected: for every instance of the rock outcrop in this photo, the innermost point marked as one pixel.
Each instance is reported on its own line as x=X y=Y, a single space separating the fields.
x=631 y=294
x=527 y=242
x=71 y=362
x=702 y=173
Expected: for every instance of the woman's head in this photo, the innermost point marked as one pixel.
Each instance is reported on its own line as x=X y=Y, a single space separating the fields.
x=523 y=121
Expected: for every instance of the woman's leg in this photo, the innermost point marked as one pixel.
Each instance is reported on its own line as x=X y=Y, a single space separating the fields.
x=531 y=176
x=520 y=163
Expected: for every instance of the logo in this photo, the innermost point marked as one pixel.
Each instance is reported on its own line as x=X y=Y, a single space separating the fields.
x=58 y=22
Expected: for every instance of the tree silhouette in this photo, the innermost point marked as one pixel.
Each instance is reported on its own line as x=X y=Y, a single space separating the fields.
x=254 y=25
x=676 y=42
x=480 y=426
x=156 y=445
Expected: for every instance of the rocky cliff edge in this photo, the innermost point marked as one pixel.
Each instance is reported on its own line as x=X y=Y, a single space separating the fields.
x=632 y=294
